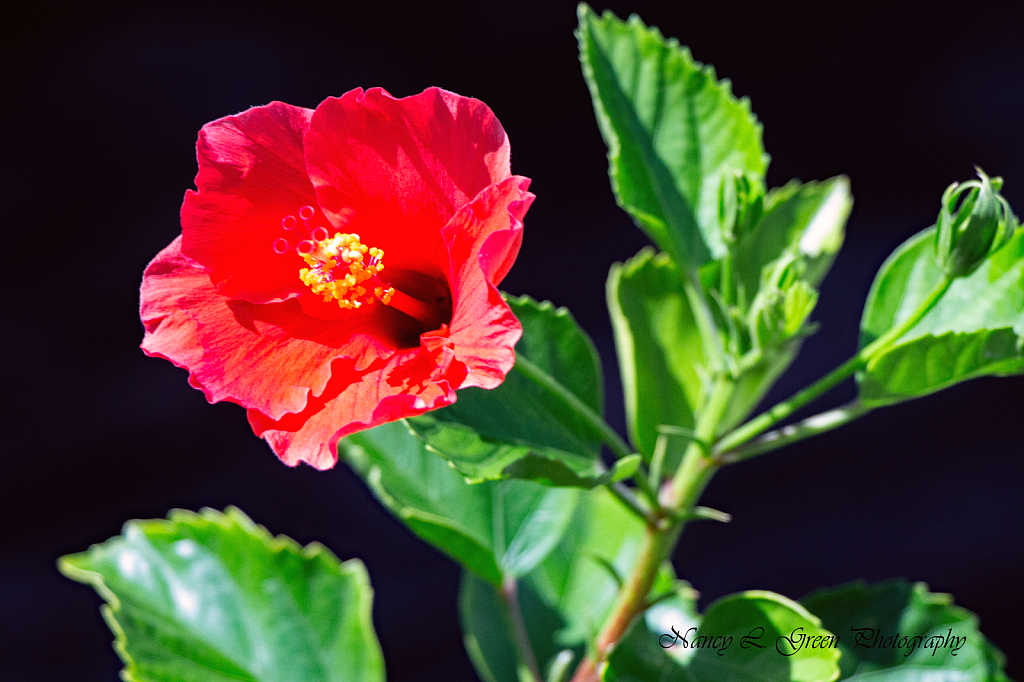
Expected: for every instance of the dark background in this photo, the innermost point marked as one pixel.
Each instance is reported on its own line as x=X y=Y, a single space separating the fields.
x=103 y=105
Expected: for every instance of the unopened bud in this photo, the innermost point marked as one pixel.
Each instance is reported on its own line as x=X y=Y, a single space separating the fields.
x=740 y=204
x=974 y=221
x=783 y=303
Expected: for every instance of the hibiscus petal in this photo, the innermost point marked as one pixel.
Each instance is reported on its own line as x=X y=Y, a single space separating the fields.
x=270 y=357
x=252 y=176
x=395 y=171
x=410 y=383
x=426 y=179
x=482 y=240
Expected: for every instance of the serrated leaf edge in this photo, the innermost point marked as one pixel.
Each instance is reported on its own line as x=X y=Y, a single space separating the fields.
x=69 y=567
x=585 y=14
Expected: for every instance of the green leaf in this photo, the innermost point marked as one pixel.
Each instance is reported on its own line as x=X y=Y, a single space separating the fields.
x=553 y=472
x=566 y=598
x=212 y=596
x=803 y=224
x=488 y=632
x=806 y=220
x=787 y=628
x=518 y=429
x=575 y=578
x=661 y=357
x=659 y=347
x=753 y=636
x=976 y=328
x=674 y=132
x=497 y=529
x=873 y=620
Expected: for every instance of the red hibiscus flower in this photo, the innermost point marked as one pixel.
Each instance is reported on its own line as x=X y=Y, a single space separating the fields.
x=337 y=268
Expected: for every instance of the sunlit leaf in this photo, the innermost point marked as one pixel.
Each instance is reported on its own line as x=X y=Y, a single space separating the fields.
x=753 y=636
x=518 y=429
x=660 y=351
x=497 y=529
x=566 y=598
x=976 y=328
x=212 y=596
x=673 y=131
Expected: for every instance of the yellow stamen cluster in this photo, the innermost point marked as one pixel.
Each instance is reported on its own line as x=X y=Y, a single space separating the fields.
x=343 y=269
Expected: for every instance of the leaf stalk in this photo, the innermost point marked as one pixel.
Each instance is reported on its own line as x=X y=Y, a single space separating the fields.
x=524 y=651
x=598 y=425
x=555 y=389
x=806 y=428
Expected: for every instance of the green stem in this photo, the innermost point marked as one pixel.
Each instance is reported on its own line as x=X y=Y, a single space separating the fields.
x=660 y=538
x=705 y=319
x=779 y=412
x=883 y=341
x=773 y=440
x=625 y=496
x=571 y=401
x=658 y=459
x=632 y=599
x=524 y=651
x=684 y=488
x=767 y=419
x=679 y=495
x=642 y=482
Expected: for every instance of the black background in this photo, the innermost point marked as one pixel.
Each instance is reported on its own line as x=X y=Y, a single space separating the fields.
x=102 y=107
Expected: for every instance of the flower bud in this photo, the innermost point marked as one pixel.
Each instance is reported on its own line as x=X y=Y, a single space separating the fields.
x=974 y=221
x=783 y=303
x=740 y=204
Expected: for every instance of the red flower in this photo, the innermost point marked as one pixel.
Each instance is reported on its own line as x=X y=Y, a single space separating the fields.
x=337 y=268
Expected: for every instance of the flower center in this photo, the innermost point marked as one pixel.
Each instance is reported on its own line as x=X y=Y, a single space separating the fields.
x=343 y=269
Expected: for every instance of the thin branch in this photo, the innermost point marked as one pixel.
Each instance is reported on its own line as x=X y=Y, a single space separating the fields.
x=773 y=440
x=509 y=594
x=773 y=416
x=628 y=500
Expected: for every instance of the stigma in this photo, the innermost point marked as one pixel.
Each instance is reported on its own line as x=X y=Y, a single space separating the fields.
x=343 y=269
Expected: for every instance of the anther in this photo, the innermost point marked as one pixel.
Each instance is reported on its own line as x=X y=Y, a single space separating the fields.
x=343 y=269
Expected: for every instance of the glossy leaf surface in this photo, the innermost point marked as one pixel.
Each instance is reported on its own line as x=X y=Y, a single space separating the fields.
x=940 y=641
x=519 y=429
x=564 y=599
x=976 y=328
x=673 y=131
x=747 y=637
x=487 y=628
x=497 y=529
x=212 y=596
